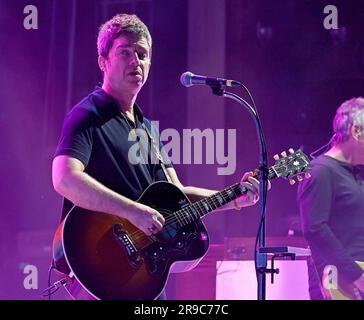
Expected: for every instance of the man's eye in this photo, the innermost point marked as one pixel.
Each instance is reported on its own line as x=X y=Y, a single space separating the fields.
x=125 y=52
x=142 y=55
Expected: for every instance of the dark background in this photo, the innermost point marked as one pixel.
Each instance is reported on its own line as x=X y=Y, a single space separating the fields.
x=297 y=71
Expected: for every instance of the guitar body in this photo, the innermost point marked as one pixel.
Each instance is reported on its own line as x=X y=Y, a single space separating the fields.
x=344 y=291
x=106 y=257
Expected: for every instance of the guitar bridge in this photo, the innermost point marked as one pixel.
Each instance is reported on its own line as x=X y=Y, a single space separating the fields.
x=123 y=238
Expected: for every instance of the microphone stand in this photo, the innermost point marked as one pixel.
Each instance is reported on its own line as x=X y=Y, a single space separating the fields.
x=260 y=256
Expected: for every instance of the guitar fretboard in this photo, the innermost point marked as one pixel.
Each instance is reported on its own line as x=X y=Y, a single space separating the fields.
x=202 y=207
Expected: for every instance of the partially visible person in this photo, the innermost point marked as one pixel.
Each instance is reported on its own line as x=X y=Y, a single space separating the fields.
x=331 y=202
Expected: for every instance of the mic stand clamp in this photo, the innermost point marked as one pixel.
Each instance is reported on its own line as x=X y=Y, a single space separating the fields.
x=282 y=252
x=273 y=270
x=270 y=270
x=218 y=90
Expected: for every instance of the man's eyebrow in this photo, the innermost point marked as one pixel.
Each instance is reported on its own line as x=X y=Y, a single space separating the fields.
x=123 y=46
x=130 y=46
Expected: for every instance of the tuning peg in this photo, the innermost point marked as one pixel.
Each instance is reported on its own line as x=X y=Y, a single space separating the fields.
x=299 y=178
x=307 y=175
x=292 y=181
x=291 y=151
x=284 y=154
x=276 y=157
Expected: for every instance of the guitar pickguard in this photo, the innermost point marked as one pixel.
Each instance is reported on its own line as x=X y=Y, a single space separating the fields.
x=159 y=255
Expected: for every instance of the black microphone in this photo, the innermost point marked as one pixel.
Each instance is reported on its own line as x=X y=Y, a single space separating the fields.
x=189 y=79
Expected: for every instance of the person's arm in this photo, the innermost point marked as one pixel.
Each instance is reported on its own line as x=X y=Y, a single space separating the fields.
x=196 y=194
x=70 y=181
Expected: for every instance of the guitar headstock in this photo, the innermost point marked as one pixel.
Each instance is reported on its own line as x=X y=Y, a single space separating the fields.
x=295 y=164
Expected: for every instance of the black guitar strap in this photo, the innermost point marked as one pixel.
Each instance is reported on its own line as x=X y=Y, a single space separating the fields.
x=155 y=149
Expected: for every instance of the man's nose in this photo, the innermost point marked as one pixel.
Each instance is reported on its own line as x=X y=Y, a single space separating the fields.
x=135 y=59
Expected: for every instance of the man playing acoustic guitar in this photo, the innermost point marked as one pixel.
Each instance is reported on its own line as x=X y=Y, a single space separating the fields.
x=91 y=168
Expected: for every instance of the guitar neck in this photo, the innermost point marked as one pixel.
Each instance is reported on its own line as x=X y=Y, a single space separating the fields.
x=197 y=210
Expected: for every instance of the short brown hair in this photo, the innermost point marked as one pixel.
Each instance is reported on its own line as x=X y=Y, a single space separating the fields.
x=121 y=24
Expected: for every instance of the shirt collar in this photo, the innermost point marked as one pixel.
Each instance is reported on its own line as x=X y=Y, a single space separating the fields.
x=102 y=99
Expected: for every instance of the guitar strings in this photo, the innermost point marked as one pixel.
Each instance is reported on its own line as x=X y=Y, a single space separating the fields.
x=183 y=216
x=177 y=216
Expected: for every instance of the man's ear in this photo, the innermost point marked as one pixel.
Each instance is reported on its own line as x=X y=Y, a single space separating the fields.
x=356 y=131
x=102 y=63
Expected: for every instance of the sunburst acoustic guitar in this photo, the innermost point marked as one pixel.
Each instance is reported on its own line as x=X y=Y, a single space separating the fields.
x=105 y=257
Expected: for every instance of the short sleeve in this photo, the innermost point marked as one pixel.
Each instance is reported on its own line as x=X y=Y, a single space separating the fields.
x=76 y=137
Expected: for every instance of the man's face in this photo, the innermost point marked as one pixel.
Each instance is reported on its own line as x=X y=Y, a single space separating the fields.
x=127 y=64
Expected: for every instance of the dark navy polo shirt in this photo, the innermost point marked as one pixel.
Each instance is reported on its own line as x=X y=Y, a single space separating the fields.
x=96 y=133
